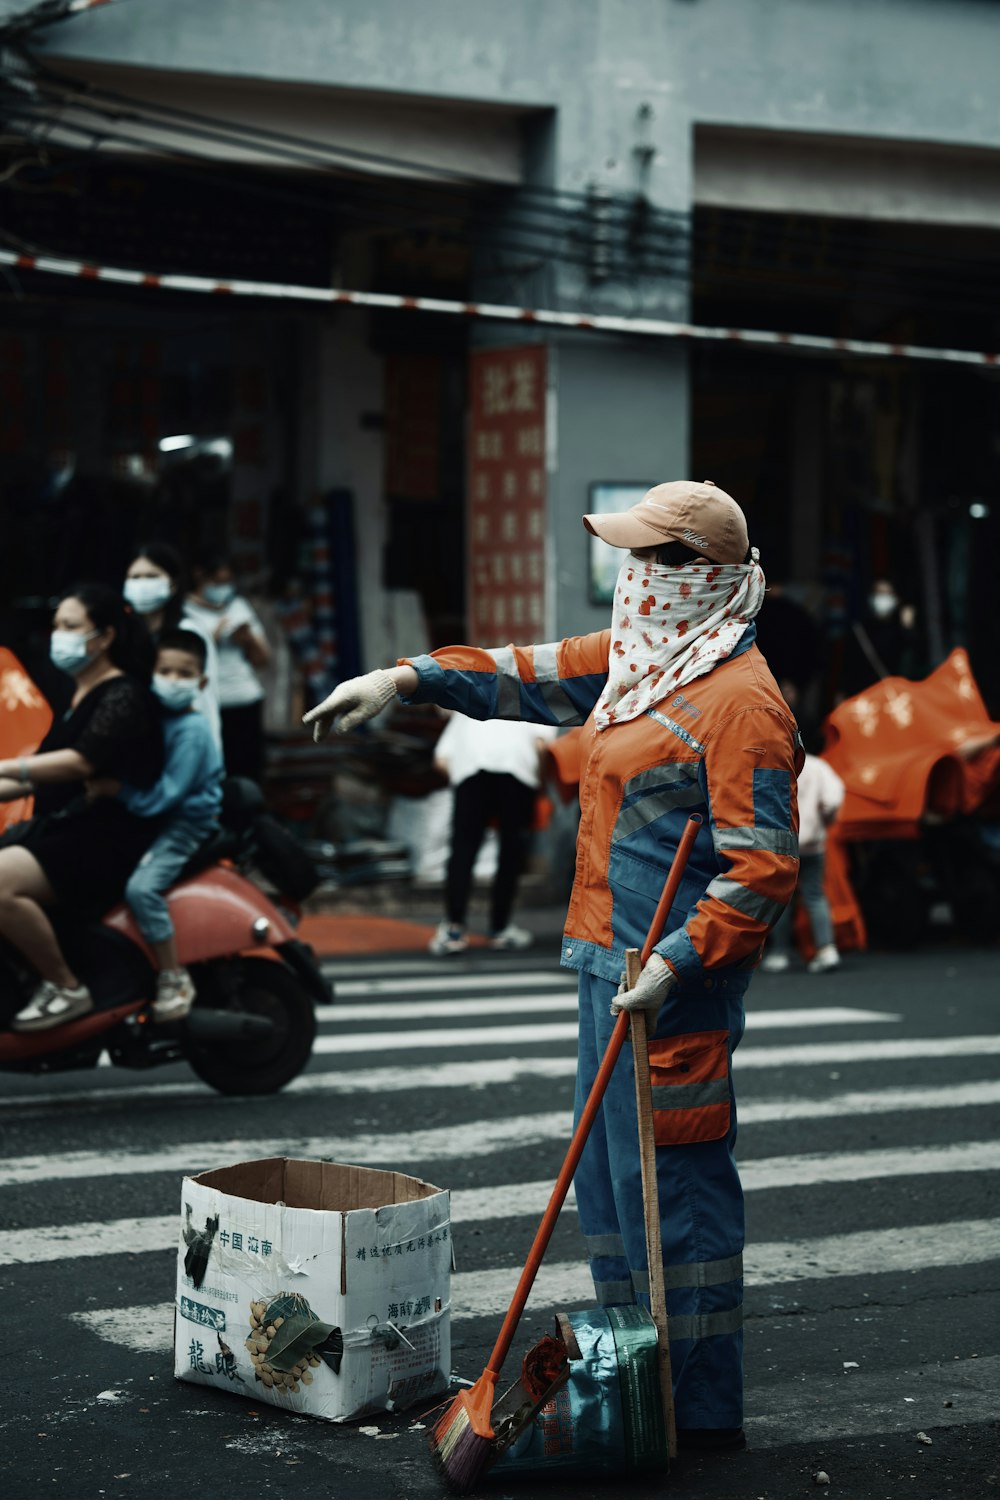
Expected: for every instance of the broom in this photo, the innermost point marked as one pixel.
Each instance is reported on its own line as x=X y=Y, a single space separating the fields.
x=462 y=1441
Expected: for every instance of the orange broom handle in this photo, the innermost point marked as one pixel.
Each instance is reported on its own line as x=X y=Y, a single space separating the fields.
x=598 y=1089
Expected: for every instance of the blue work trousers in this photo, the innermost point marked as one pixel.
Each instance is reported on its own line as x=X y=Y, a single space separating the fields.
x=157 y=871
x=701 y=1199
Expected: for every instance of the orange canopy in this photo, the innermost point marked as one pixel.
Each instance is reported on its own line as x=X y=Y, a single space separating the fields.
x=908 y=749
x=24 y=722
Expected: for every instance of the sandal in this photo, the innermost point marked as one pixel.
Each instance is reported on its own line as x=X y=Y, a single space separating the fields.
x=53 y=1005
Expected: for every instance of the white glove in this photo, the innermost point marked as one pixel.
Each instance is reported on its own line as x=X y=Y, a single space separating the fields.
x=350 y=704
x=651 y=988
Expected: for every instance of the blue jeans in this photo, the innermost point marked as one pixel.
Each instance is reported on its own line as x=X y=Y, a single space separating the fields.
x=812 y=868
x=701 y=1200
x=157 y=871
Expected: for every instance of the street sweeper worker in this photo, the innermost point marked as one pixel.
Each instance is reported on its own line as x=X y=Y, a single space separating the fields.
x=681 y=716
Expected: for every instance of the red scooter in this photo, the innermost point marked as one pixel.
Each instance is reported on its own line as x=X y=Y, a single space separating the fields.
x=252 y=1025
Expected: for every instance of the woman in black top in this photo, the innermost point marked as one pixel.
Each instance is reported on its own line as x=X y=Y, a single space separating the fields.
x=75 y=852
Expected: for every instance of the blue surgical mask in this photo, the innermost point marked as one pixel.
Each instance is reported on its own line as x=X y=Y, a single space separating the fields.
x=68 y=650
x=147 y=595
x=219 y=594
x=176 y=693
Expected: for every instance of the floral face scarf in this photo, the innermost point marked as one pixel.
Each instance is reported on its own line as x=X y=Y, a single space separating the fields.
x=670 y=625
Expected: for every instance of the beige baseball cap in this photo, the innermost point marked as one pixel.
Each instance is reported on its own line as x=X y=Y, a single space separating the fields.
x=701 y=515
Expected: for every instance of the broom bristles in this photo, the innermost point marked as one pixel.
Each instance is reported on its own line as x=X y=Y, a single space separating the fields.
x=461 y=1444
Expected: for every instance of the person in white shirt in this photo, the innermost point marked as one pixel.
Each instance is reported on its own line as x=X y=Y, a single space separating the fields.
x=495 y=771
x=216 y=609
x=821 y=793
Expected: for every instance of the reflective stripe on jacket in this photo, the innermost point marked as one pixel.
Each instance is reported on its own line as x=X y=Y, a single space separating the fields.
x=726 y=748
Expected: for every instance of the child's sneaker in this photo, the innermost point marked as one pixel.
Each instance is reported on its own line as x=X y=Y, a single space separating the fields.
x=175 y=994
x=827 y=958
x=511 y=937
x=448 y=940
x=774 y=963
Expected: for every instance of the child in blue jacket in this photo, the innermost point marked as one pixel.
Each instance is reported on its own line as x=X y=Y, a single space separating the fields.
x=187 y=797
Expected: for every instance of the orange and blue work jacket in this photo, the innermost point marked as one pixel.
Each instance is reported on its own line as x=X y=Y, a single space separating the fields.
x=726 y=748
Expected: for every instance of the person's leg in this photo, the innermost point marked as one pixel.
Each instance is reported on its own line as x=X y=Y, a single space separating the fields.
x=811 y=883
x=155 y=873
x=513 y=804
x=811 y=874
x=468 y=826
x=595 y=1190
x=24 y=892
x=701 y=1200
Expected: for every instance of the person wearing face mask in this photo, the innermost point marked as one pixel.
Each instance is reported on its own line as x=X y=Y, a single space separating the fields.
x=153 y=589
x=188 y=795
x=883 y=643
x=76 y=853
x=218 y=611
x=680 y=716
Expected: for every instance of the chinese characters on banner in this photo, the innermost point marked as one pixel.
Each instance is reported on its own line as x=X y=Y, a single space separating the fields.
x=506 y=495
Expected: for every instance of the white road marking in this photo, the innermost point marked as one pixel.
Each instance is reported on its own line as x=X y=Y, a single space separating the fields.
x=876 y=1102
x=482 y=1294
x=538 y=1030
x=511 y=1005
x=443 y=1143
x=424 y=984
x=821 y=1054
x=391 y=1041
x=857 y=1166
x=473 y=1206
x=488 y=1073
x=477 y=1074
x=479 y=1138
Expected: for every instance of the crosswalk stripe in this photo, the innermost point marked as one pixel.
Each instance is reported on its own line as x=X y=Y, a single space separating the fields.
x=819 y=1054
x=855 y=1166
x=540 y=1030
x=877 y=1102
x=480 y=1138
x=442 y=1036
x=923 y=1247
x=860 y=1253
x=482 y=1294
x=512 y=1005
x=753 y=1055
x=350 y=989
x=444 y=1143
x=504 y=1071
x=748 y=1057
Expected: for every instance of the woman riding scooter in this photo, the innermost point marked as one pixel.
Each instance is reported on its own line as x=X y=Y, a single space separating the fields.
x=75 y=852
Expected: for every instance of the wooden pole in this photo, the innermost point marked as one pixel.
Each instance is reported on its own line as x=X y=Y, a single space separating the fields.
x=651 y=1200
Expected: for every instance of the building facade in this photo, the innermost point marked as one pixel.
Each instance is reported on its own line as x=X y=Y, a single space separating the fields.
x=824 y=167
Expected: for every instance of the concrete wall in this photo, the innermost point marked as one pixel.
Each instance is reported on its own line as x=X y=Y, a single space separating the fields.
x=621 y=415
x=904 y=69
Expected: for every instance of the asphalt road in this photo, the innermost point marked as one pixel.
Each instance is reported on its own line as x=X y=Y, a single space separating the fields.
x=870 y=1120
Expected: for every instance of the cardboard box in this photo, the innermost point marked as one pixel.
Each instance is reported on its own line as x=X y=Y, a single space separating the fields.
x=321 y=1288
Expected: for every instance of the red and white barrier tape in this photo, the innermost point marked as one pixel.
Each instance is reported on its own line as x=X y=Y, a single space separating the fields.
x=546 y=317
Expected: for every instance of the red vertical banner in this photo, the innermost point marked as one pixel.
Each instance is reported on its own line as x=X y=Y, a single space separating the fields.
x=506 y=497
